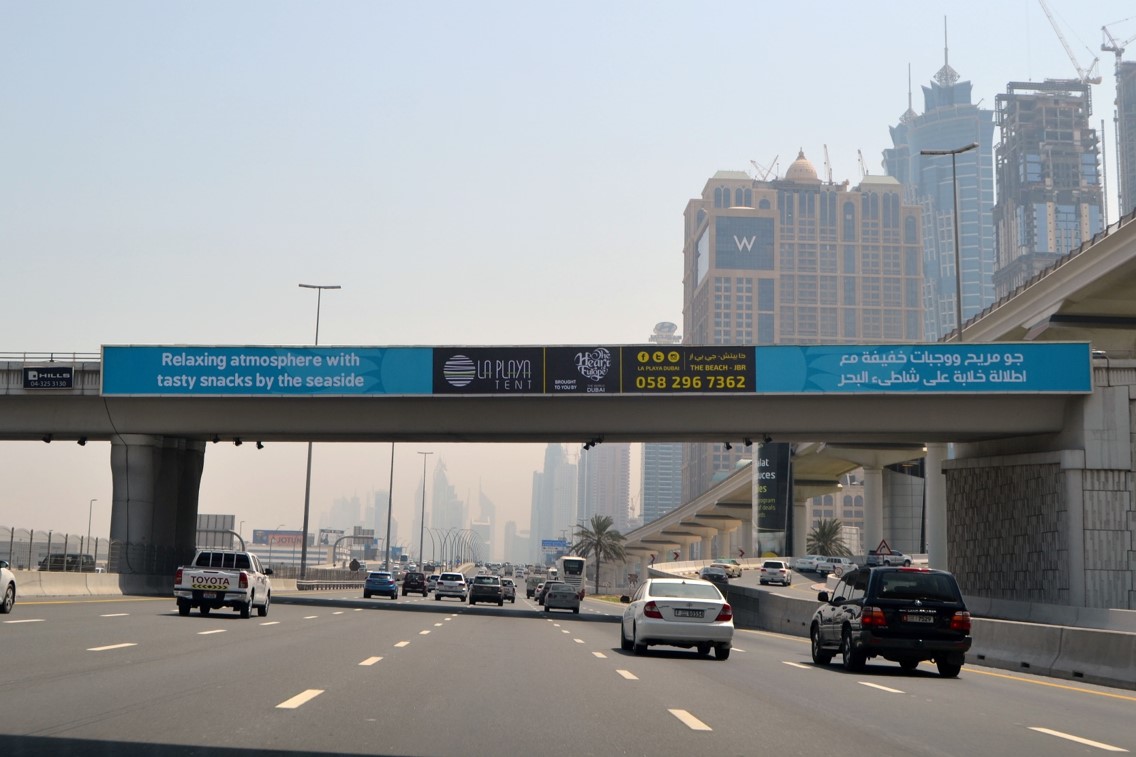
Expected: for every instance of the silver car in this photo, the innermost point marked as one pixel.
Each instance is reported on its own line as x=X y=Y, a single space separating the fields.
x=678 y=612
x=7 y=588
x=562 y=596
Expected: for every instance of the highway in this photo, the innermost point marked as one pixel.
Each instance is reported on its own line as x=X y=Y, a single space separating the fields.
x=338 y=674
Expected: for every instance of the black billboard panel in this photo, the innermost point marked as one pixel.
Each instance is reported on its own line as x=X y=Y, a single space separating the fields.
x=49 y=377
x=488 y=370
x=582 y=370
x=682 y=369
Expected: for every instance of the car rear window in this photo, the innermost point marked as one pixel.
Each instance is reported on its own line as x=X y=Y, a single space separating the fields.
x=491 y=580
x=685 y=591
x=911 y=585
x=222 y=560
x=452 y=577
x=774 y=564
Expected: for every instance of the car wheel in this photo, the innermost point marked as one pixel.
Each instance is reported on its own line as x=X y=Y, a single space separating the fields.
x=763 y=582
x=853 y=661
x=948 y=669
x=722 y=652
x=438 y=597
x=624 y=643
x=366 y=595
x=639 y=648
x=404 y=592
x=703 y=649
x=471 y=602
x=205 y=609
x=262 y=611
x=246 y=609
x=9 y=600
x=500 y=603
x=576 y=610
x=183 y=608
x=909 y=664
x=820 y=655
x=547 y=608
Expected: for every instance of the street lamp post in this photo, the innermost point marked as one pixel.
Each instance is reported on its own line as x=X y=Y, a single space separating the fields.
x=308 y=480
x=90 y=509
x=422 y=525
x=958 y=253
x=390 y=504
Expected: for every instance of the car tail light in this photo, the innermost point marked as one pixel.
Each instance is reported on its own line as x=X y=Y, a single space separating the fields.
x=726 y=613
x=177 y=577
x=873 y=617
x=244 y=580
x=960 y=621
x=651 y=610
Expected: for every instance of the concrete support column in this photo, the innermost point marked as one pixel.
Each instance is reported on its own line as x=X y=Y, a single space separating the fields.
x=873 y=507
x=801 y=527
x=644 y=567
x=935 y=513
x=707 y=550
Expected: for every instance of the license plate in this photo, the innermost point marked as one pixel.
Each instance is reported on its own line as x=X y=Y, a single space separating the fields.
x=208 y=595
x=681 y=613
x=918 y=618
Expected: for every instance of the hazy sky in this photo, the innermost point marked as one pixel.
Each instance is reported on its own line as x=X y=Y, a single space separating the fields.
x=470 y=173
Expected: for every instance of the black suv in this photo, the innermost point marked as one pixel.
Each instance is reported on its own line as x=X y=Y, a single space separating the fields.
x=906 y=615
x=486 y=589
x=414 y=582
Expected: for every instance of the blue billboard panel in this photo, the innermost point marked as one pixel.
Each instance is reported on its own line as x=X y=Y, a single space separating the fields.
x=264 y=371
x=997 y=368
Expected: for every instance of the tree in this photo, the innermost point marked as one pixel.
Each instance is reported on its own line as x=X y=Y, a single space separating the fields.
x=827 y=539
x=599 y=541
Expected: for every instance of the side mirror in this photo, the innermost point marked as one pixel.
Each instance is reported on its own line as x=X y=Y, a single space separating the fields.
x=822 y=597
x=4 y=564
x=626 y=600
x=268 y=571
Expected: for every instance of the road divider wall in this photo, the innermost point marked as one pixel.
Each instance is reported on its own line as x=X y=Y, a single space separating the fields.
x=37 y=583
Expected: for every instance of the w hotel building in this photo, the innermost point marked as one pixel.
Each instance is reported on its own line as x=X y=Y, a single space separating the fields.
x=796 y=261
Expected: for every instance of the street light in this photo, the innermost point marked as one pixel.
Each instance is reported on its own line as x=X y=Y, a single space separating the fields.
x=308 y=481
x=90 y=509
x=958 y=253
x=422 y=524
x=390 y=504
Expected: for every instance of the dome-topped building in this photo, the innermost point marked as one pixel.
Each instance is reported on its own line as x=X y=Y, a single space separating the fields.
x=801 y=170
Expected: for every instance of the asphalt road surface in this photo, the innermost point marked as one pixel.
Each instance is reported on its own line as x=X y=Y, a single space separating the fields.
x=336 y=674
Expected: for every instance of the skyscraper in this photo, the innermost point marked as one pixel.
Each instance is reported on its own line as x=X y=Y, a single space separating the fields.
x=1047 y=169
x=1126 y=134
x=605 y=484
x=553 y=499
x=661 y=486
x=949 y=121
x=796 y=260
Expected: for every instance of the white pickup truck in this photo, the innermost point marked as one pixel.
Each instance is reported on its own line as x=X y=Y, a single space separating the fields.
x=223 y=578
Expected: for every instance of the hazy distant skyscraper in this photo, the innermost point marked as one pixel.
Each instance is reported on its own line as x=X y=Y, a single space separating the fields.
x=1047 y=168
x=949 y=121
x=447 y=510
x=796 y=260
x=605 y=484
x=1126 y=134
x=553 y=499
x=661 y=487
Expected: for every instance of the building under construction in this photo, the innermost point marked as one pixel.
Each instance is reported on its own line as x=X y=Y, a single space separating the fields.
x=1047 y=169
x=1126 y=134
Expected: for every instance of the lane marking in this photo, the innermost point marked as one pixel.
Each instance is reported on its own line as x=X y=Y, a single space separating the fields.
x=600 y=655
x=556 y=625
x=115 y=615
x=370 y=660
x=310 y=617
x=1078 y=739
x=26 y=620
x=564 y=630
x=735 y=649
x=578 y=641
x=338 y=612
x=112 y=646
x=438 y=625
x=881 y=688
x=629 y=676
x=358 y=609
x=271 y=623
x=1077 y=689
x=299 y=699
x=423 y=633
x=403 y=644
x=796 y=665
x=207 y=633
x=690 y=721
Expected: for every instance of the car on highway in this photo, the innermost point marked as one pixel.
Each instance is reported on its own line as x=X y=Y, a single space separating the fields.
x=451 y=584
x=431 y=581
x=413 y=581
x=775 y=572
x=732 y=567
x=679 y=612
x=835 y=564
x=806 y=563
x=906 y=615
x=715 y=575
x=542 y=590
x=486 y=589
x=510 y=589
x=7 y=588
x=892 y=558
x=380 y=582
x=562 y=596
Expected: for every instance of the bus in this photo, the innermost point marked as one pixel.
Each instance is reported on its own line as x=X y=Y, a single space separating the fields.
x=572 y=570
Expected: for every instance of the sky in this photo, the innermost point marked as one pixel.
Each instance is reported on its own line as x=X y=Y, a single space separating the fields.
x=470 y=173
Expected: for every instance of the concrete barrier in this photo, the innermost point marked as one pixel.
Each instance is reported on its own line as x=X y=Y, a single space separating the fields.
x=38 y=583
x=1107 y=658
x=1015 y=646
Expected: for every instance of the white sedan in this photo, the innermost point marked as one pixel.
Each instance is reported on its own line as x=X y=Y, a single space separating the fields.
x=7 y=588
x=678 y=612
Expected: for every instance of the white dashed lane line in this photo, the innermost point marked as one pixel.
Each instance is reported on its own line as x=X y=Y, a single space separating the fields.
x=370 y=661
x=115 y=615
x=299 y=699
x=629 y=676
x=25 y=620
x=271 y=623
x=112 y=646
x=310 y=617
x=403 y=644
x=881 y=688
x=796 y=665
x=600 y=655
x=690 y=721
x=423 y=633
x=208 y=633
x=578 y=641
x=1078 y=739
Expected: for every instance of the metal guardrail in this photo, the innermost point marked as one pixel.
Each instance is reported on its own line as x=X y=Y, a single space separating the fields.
x=51 y=357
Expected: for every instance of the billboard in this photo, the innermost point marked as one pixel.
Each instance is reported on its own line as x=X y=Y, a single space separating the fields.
x=771 y=495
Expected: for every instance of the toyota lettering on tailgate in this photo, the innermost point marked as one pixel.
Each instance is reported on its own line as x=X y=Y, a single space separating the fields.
x=210 y=582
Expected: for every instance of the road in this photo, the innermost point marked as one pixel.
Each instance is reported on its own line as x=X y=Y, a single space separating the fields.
x=339 y=674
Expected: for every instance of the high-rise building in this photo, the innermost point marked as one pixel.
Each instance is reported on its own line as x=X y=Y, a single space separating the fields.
x=605 y=484
x=796 y=260
x=661 y=486
x=553 y=499
x=1048 y=175
x=1126 y=134
x=949 y=121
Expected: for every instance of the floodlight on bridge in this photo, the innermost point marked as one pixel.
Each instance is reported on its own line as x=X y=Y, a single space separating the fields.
x=82 y=441
x=47 y=438
x=260 y=445
x=237 y=442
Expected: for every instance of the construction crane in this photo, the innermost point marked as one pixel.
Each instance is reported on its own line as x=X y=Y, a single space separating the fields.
x=827 y=166
x=1110 y=45
x=863 y=168
x=1086 y=76
x=762 y=172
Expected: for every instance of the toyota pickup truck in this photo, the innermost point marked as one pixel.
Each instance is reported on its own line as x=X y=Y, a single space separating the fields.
x=223 y=578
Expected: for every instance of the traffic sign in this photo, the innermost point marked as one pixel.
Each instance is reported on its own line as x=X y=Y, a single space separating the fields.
x=741 y=552
x=883 y=549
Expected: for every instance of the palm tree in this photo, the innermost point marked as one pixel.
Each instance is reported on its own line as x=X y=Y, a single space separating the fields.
x=827 y=539
x=599 y=540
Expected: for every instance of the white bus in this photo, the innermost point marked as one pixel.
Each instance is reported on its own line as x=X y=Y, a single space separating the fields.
x=572 y=570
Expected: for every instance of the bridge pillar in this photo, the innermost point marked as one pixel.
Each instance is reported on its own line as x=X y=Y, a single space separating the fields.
x=873 y=507
x=936 y=504
x=153 y=523
x=706 y=551
x=801 y=526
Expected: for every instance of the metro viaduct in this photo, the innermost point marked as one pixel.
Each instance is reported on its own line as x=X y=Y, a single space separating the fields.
x=1036 y=503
